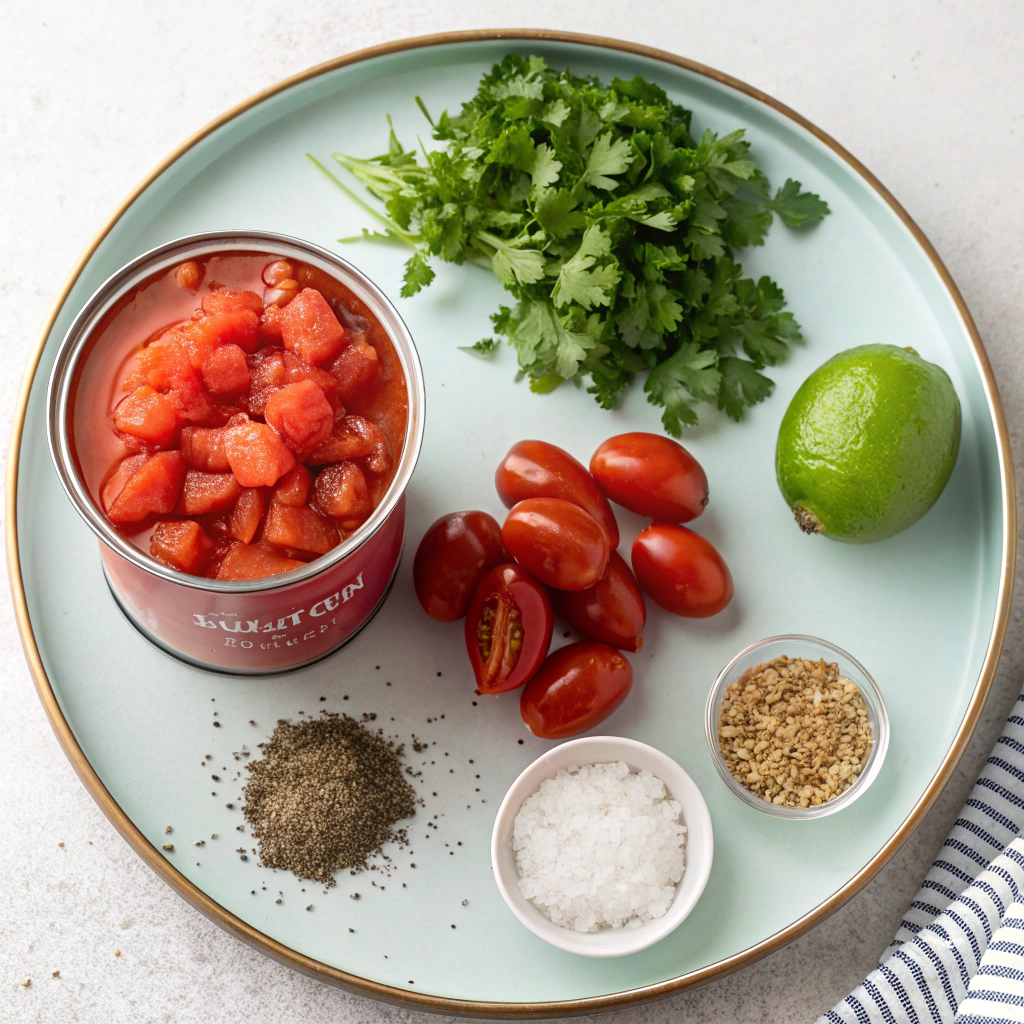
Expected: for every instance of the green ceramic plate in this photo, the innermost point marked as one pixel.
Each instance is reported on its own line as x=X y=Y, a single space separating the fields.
x=924 y=612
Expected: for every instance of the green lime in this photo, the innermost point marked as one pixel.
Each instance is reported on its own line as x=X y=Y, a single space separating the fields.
x=868 y=443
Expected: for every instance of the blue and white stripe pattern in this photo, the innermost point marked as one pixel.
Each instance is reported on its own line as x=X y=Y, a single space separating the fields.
x=959 y=953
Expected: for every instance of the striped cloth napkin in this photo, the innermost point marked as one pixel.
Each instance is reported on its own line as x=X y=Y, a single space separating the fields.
x=959 y=953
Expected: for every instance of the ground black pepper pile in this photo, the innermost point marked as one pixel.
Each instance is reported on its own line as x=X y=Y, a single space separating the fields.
x=324 y=796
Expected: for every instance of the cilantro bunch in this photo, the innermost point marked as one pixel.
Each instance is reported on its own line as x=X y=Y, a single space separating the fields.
x=613 y=229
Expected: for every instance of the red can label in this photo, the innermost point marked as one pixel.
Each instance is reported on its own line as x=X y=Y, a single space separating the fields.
x=262 y=631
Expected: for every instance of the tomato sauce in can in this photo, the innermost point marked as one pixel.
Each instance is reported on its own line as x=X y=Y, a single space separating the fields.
x=242 y=626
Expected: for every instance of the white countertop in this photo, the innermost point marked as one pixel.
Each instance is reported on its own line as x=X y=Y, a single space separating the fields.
x=928 y=93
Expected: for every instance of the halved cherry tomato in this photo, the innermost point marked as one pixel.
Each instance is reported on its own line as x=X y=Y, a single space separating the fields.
x=682 y=571
x=451 y=560
x=652 y=476
x=558 y=542
x=536 y=469
x=508 y=629
x=576 y=688
x=612 y=610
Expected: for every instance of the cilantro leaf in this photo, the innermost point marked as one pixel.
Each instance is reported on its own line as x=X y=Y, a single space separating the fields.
x=545 y=384
x=513 y=265
x=556 y=212
x=675 y=384
x=608 y=381
x=745 y=224
x=543 y=340
x=761 y=344
x=796 y=208
x=544 y=167
x=418 y=274
x=741 y=386
x=579 y=280
x=483 y=349
x=608 y=156
x=555 y=113
x=704 y=245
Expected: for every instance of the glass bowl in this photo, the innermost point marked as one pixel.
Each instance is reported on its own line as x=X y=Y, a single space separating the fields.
x=808 y=648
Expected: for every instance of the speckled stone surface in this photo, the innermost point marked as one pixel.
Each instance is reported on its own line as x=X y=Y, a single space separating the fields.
x=928 y=93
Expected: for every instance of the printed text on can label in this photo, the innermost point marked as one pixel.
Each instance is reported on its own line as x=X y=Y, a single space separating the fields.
x=278 y=627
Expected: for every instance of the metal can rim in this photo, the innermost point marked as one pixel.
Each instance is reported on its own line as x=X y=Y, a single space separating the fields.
x=167 y=255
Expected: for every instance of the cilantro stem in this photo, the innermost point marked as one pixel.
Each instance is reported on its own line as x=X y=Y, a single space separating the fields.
x=483 y=242
x=425 y=112
x=373 y=236
x=484 y=256
x=379 y=217
x=375 y=176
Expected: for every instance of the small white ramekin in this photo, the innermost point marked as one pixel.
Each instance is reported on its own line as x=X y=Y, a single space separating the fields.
x=607 y=942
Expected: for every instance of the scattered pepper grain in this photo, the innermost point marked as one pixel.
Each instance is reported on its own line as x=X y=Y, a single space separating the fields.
x=325 y=796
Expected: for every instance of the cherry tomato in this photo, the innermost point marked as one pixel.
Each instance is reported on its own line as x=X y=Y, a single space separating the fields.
x=536 y=469
x=652 y=476
x=576 y=687
x=612 y=610
x=452 y=557
x=508 y=629
x=557 y=541
x=681 y=570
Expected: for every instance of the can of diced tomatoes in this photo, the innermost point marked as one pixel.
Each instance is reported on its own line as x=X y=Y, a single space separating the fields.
x=240 y=626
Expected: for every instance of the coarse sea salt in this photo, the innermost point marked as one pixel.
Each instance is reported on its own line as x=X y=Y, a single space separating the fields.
x=599 y=846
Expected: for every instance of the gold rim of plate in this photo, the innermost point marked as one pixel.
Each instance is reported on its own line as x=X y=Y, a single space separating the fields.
x=468 y=1007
